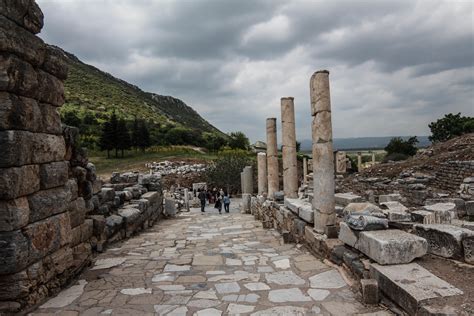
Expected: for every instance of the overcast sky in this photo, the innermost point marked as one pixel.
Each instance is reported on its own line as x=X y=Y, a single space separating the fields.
x=394 y=66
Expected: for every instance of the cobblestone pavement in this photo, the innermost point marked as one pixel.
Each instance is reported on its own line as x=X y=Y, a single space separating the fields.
x=207 y=264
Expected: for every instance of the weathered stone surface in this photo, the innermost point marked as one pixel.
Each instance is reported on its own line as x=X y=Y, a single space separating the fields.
x=364 y=208
x=131 y=218
x=424 y=217
x=14 y=214
x=170 y=206
x=347 y=235
x=19 y=113
x=262 y=173
x=272 y=158
x=77 y=211
x=22 y=147
x=20 y=248
x=444 y=212
x=48 y=202
x=20 y=77
x=67 y=296
x=55 y=63
x=395 y=197
x=25 y=13
x=18 y=181
x=290 y=171
x=370 y=291
x=409 y=285
x=444 y=240
x=391 y=246
x=345 y=199
x=327 y=280
x=366 y=222
x=53 y=174
x=468 y=247
x=14 y=251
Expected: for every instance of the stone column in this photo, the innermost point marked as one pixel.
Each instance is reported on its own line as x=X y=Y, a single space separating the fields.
x=248 y=180
x=373 y=158
x=305 y=170
x=262 y=173
x=359 y=161
x=272 y=158
x=242 y=189
x=323 y=158
x=186 y=199
x=290 y=169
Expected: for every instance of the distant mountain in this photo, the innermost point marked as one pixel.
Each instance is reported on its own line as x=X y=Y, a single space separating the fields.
x=364 y=142
x=90 y=90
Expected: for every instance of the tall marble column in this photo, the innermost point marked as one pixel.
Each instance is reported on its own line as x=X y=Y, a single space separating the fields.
x=262 y=173
x=290 y=169
x=323 y=158
x=272 y=158
x=248 y=180
x=373 y=158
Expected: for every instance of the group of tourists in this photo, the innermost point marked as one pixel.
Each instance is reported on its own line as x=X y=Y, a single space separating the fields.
x=217 y=197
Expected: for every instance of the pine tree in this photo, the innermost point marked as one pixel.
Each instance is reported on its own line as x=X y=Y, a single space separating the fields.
x=123 y=136
x=107 y=138
x=143 y=136
x=135 y=134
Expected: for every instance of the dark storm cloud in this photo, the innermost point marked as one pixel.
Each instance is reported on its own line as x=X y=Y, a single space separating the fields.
x=395 y=65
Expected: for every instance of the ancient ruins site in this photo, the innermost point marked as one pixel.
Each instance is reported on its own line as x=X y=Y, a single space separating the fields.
x=306 y=234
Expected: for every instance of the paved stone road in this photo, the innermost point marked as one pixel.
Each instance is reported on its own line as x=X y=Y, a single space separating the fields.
x=207 y=264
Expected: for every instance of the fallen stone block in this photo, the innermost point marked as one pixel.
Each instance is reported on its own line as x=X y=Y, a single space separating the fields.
x=444 y=212
x=170 y=206
x=424 y=217
x=468 y=247
x=364 y=208
x=393 y=206
x=394 y=197
x=345 y=199
x=347 y=235
x=444 y=240
x=366 y=222
x=292 y=204
x=132 y=219
x=306 y=213
x=410 y=285
x=391 y=246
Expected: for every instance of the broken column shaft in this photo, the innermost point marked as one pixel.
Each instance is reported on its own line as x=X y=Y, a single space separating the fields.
x=262 y=173
x=272 y=158
x=290 y=170
x=323 y=158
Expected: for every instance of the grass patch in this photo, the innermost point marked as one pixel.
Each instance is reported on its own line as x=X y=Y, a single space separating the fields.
x=135 y=161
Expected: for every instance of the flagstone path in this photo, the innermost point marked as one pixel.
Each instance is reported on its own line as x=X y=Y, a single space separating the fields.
x=207 y=264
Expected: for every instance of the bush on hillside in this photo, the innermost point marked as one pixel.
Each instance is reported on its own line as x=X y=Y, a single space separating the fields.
x=225 y=171
x=238 y=140
x=399 y=146
x=449 y=126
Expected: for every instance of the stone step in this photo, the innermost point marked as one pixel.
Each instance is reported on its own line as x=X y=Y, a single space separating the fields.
x=345 y=199
x=390 y=246
x=411 y=285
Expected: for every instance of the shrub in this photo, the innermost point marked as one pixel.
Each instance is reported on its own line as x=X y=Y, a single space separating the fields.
x=399 y=146
x=449 y=126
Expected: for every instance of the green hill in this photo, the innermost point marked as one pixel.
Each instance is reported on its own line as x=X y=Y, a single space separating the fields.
x=92 y=95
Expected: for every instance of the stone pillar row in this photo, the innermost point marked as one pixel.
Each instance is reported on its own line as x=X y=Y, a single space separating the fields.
x=262 y=174
x=290 y=170
x=272 y=158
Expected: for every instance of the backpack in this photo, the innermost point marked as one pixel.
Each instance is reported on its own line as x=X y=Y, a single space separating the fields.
x=226 y=200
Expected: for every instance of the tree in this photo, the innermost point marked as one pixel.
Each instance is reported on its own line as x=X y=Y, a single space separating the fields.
x=226 y=169
x=123 y=136
x=298 y=146
x=397 y=147
x=238 y=140
x=213 y=141
x=449 y=126
x=107 y=138
x=135 y=133
x=71 y=118
x=143 y=140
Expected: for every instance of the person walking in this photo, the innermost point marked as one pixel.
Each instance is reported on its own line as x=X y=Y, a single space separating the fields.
x=219 y=203
x=226 y=202
x=202 y=197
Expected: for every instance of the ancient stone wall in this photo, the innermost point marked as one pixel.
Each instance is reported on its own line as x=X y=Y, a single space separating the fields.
x=452 y=173
x=53 y=210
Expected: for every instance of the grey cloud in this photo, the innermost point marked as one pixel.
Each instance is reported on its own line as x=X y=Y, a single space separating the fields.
x=395 y=65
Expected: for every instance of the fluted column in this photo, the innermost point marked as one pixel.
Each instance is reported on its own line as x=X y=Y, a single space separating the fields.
x=272 y=158
x=305 y=170
x=262 y=173
x=323 y=158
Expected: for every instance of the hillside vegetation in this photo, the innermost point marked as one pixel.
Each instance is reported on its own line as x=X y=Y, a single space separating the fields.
x=92 y=95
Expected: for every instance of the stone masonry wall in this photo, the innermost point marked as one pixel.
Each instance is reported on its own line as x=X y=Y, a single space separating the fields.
x=54 y=212
x=452 y=173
